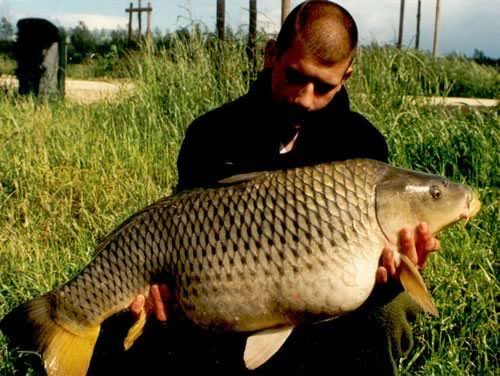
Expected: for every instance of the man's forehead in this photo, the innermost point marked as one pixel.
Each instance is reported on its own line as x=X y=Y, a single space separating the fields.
x=301 y=60
x=332 y=74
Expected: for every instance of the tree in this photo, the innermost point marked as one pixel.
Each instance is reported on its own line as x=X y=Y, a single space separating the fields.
x=83 y=43
x=6 y=29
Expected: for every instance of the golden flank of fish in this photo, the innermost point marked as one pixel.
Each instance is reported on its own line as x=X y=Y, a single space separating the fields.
x=261 y=254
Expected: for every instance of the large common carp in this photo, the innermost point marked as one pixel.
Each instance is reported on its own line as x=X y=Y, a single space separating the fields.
x=261 y=254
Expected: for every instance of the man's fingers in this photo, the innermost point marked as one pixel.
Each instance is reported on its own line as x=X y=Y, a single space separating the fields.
x=388 y=267
x=422 y=236
x=407 y=245
x=436 y=245
x=432 y=245
x=137 y=305
x=159 y=296
x=381 y=276
x=158 y=306
x=418 y=245
x=425 y=243
x=388 y=261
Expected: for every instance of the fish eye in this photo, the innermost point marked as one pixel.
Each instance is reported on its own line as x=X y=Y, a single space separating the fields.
x=435 y=192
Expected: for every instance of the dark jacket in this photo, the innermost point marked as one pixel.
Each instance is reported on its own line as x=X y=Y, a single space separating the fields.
x=245 y=136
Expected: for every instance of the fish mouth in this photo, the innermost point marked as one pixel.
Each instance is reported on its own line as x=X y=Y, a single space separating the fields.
x=473 y=207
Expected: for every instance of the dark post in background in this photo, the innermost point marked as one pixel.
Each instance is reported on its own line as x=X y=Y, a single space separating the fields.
x=221 y=12
x=41 y=58
x=252 y=34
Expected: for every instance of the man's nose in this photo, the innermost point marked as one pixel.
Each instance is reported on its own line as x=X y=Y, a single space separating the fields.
x=305 y=96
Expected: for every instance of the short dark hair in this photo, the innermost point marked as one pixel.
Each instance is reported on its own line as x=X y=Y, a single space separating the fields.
x=326 y=28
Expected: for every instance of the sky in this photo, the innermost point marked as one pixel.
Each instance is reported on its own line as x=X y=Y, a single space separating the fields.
x=466 y=25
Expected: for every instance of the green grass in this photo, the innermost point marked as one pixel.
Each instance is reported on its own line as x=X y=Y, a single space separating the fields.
x=70 y=173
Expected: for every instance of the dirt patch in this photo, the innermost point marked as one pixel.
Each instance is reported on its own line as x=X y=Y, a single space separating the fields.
x=91 y=91
x=83 y=91
x=456 y=101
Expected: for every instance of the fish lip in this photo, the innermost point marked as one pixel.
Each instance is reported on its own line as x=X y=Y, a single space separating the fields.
x=473 y=207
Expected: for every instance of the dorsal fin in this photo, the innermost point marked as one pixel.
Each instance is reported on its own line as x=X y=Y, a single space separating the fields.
x=239 y=178
x=264 y=344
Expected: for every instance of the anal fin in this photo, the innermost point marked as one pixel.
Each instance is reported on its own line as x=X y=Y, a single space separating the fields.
x=263 y=345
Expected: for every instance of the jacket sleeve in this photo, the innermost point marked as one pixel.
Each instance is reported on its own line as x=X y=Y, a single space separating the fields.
x=189 y=162
x=371 y=143
x=351 y=134
x=200 y=162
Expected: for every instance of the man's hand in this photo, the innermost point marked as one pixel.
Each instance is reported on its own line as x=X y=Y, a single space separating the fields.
x=157 y=302
x=417 y=247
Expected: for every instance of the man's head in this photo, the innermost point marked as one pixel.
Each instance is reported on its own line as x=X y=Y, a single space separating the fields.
x=312 y=56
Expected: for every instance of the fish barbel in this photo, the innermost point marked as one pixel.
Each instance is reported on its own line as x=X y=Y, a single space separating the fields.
x=260 y=254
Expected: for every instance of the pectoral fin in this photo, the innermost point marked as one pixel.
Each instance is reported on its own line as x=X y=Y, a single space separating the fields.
x=263 y=345
x=135 y=330
x=414 y=285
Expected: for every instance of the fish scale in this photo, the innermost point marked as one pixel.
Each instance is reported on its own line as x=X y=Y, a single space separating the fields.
x=262 y=251
x=271 y=227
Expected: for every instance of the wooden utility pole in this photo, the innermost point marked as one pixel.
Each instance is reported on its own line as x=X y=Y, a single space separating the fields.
x=130 y=11
x=285 y=9
x=149 y=34
x=401 y=21
x=436 y=30
x=417 y=39
x=252 y=22
x=252 y=31
x=221 y=11
x=139 y=19
x=139 y=11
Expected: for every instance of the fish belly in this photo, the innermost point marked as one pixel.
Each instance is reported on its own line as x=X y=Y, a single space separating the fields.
x=265 y=301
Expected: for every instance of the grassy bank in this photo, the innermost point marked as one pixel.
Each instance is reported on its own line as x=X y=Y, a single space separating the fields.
x=70 y=173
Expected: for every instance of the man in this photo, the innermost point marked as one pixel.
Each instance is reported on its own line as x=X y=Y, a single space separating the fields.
x=297 y=113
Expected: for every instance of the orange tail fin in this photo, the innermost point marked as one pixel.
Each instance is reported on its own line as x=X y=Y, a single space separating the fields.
x=65 y=351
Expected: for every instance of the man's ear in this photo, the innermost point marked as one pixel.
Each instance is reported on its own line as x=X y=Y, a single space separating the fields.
x=348 y=73
x=270 y=53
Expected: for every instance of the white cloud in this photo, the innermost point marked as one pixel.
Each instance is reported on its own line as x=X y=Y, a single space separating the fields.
x=92 y=21
x=376 y=20
x=269 y=20
x=5 y=9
